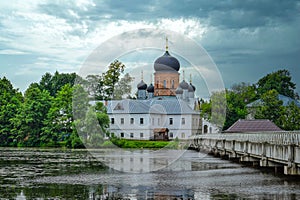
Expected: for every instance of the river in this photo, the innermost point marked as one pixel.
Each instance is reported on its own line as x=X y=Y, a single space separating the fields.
x=138 y=174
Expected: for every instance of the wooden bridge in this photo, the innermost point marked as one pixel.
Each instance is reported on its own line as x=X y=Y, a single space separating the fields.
x=265 y=149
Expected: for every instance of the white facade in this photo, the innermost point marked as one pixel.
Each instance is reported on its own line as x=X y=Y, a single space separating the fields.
x=208 y=127
x=165 y=107
x=139 y=123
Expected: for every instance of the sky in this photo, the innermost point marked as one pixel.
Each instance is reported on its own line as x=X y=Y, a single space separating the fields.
x=245 y=39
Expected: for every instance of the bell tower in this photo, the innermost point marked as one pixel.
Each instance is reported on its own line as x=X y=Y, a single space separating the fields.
x=166 y=75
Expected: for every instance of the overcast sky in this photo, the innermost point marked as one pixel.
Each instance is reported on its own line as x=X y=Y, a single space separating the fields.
x=246 y=39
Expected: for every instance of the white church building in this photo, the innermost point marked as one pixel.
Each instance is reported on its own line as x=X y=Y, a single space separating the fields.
x=165 y=109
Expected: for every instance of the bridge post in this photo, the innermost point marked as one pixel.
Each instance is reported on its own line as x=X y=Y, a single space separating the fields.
x=291 y=168
x=233 y=153
x=246 y=147
x=264 y=160
x=223 y=152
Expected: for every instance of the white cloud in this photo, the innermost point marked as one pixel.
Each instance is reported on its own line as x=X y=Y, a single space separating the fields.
x=84 y=4
x=65 y=39
x=12 y=52
x=56 y=39
x=190 y=27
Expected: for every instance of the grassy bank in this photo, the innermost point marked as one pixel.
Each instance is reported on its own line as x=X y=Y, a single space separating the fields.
x=124 y=143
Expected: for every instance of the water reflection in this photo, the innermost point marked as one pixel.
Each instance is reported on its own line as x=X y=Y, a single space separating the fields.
x=137 y=161
x=57 y=174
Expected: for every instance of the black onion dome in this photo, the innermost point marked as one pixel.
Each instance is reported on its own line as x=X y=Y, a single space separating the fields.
x=191 y=88
x=150 y=88
x=142 y=85
x=184 y=85
x=179 y=90
x=166 y=63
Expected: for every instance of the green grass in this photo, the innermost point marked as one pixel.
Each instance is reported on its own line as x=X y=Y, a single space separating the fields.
x=124 y=143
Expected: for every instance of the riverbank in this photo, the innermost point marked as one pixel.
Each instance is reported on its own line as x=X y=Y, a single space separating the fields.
x=148 y=144
x=115 y=142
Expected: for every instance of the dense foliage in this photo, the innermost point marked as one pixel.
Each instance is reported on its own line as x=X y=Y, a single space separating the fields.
x=267 y=89
x=10 y=101
x=44 y=116
x=123 y=143
x=110 y=85
x=56 y=111
x=279 y=81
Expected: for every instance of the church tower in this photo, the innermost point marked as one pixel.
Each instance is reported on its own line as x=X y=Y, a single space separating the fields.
x=142 y=86
x=166 y=76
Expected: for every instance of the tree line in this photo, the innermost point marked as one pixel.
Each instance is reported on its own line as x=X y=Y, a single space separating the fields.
x=267 y=89
x=56 y=110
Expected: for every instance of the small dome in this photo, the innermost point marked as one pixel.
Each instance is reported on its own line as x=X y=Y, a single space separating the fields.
x=179 y=90
x=191 y=88
x=150 y=88
x=184 y=85
x=142 y=85
x=166 y=63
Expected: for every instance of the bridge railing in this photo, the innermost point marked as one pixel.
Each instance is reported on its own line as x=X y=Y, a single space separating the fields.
x=278 y=138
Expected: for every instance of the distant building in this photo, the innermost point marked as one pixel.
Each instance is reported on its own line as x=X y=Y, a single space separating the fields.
x=163 y=110
x=208 y=127
x=253 y=125
x=252 y=107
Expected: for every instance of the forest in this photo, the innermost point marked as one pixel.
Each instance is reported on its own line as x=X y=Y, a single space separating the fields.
x=267 y=90
x=51 y=112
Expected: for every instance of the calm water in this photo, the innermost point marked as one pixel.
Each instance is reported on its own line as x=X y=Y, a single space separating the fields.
x=58 y=174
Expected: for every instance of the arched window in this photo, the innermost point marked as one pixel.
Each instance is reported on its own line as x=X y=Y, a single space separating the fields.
x=165 y=84
x=205 y=128
x=172 y=84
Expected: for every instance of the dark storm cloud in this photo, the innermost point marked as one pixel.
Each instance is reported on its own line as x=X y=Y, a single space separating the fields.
x=228 y=14
x=246 y=39
x=225 y=14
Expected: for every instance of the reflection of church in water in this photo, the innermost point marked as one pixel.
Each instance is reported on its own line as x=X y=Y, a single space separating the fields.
x=165 y=109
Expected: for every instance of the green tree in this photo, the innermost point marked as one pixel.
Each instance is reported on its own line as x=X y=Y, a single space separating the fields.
x=95 y=86
x=10 y=100
x=93 y=129
x=205 y=108
x=218 y=108
x=53 y=83
x=234 y=100
x=80 y=106
x=245 y=92
x=29 y=121
x=281 y=81
x=109 y=85
x=111 y=78
x=271 y=108
x=290 y=117
x=123 y=87
x=237 y=98
x=58 y=126
x=61 y=124
x=102 y=117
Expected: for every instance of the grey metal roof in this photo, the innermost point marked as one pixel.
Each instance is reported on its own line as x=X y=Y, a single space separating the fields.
x=168 y=105
x=285 y=100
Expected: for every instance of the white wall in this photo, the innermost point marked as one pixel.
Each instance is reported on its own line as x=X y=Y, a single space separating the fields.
x=211 y=128
x=178 y=129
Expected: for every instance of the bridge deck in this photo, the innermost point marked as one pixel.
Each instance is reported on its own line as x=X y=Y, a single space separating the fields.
x=266 y=148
